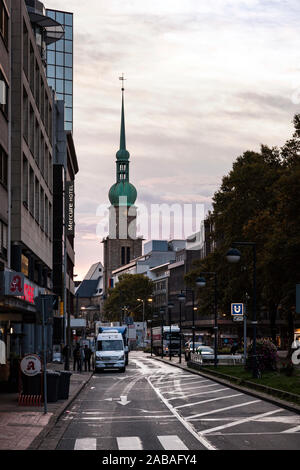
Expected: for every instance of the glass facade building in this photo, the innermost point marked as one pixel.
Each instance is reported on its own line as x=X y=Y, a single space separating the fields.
x=60 y=64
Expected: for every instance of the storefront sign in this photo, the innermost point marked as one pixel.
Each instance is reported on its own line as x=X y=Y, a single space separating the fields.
x=14 y=283
x=31 y=365
x=70 y=208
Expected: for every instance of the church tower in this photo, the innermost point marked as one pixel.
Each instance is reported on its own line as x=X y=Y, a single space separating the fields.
x=122 y=245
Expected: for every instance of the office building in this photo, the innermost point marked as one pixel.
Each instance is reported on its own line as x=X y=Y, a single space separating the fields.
x=60 y=64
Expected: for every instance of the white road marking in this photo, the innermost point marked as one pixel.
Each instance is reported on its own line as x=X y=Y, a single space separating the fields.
x=241 y=421
x=112 y=418
x=184 y=384
x=188 y=426
x=292 y=430
x=194 y=388
x=129 y=443
x=293 y=419
x=179 y=378
x=85 y=444
x=197 y=394
x=221 y=409
x=207 y=401
x=172 y=443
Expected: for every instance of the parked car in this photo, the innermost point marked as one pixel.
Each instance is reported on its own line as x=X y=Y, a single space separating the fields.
x=189 y=349
x=206 y=352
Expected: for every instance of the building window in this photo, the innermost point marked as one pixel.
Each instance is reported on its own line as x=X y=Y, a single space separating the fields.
x=3 y=167
x=3 y=22
x=123 y=255
x=25 y=182
x=32 y=67
x=3 y=94
x=25 y=49
x=37 y=201
x=31 y=131
x=128 y=254
x=31 y=191
x=25 y=265
x=42 y=206
x=25 y=116
x=3 y=240
x=46 y=216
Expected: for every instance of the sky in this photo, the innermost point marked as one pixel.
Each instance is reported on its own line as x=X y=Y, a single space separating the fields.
x=205 y=81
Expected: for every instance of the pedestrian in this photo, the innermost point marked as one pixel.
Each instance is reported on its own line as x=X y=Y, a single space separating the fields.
x=77 y=358
x=87 y=358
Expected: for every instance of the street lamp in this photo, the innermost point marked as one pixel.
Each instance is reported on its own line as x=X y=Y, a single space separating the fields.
x=170 y=307
x=162 y=312
x=143 y=302
x=233 y=256
x=150 y=321
x=181 y=298
x=201 y=282
x=193 y=315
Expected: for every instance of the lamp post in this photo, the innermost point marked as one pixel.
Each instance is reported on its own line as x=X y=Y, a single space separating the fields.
x=181 y=298
x=162 y=312
x=143 y=302
x=233 y=256
x=201 y=282
x=150 y=321
x=193 y=315
x=170 y=307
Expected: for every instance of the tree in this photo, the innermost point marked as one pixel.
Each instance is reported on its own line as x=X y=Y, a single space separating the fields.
x=258 y=201
x=122 y=299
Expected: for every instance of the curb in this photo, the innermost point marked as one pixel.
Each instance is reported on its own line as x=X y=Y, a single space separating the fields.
x=269 y=398
x=55 y=418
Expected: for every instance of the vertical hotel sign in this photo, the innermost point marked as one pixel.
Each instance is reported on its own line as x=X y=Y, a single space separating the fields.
x=70 y=208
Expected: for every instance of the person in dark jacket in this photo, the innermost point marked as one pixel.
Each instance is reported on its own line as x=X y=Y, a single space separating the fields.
x=77 y=358
x=87 y=358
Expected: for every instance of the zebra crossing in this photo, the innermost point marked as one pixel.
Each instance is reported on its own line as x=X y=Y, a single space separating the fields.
x=165 y=442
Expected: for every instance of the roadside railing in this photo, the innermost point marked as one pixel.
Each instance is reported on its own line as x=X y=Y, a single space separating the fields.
x=222 y=359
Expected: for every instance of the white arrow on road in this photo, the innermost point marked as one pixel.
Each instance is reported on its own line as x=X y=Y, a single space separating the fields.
x=123 y=399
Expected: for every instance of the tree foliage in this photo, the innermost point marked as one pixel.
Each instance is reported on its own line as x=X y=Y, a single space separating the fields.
x=122 y=299
x=258 y=201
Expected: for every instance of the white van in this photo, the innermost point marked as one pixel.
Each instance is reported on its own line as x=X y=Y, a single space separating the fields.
x=110 y=351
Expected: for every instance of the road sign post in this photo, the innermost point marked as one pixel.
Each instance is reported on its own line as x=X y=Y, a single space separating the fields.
x=297 y=298
x=44 y=304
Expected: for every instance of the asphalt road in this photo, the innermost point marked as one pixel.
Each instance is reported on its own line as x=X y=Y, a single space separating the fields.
x=155 y=406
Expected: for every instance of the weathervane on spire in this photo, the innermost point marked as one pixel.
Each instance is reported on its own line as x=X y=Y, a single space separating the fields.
x=123 y=79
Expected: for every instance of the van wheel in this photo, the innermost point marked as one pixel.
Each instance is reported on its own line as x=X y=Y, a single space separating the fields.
x=123 y=369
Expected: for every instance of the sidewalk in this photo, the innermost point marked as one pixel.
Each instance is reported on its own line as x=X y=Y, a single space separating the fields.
x=20 y=426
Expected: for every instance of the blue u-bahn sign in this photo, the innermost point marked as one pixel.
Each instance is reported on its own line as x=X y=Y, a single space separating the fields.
x=237 y=309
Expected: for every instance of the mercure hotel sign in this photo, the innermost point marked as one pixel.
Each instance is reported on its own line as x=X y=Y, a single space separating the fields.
x=70 y=208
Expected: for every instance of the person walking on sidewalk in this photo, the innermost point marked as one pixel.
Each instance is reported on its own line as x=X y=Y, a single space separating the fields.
x=77 y=358
x=87 y=358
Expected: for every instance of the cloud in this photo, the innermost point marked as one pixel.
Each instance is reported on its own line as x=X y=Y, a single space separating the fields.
x=205 y=82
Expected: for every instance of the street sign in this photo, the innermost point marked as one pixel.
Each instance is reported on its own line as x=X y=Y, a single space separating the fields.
x=237 y=309
x=31 y=365
x=238 y=317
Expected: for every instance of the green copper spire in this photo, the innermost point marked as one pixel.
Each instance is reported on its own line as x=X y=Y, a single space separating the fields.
x=122 y=188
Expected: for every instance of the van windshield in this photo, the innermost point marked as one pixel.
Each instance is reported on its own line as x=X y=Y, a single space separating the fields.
x=110 y=345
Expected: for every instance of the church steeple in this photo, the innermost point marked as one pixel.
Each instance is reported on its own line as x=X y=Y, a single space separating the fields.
x=122 y=188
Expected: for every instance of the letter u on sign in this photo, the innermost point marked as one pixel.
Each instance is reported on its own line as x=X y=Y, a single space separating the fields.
x=237 y=309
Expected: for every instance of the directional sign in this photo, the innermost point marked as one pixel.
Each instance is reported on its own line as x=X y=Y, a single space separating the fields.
x=237 y=309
